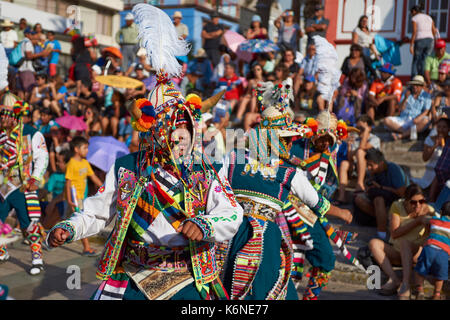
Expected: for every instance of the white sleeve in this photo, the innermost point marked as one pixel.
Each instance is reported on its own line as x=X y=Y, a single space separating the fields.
x=223 y=213
x=98 y=210
x=40 y=156
x=302 y=188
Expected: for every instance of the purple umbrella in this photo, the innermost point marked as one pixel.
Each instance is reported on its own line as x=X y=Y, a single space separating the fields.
x=103 y=152
x=71 y=122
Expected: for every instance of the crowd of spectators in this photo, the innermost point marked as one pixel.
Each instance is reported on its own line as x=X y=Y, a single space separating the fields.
x=369 y=97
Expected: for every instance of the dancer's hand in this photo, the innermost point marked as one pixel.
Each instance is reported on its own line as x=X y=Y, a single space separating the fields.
x=346 y=215
x=191 y=231
x=58 y=237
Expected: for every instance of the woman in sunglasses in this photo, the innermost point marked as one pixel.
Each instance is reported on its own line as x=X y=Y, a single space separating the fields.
x=408 y=218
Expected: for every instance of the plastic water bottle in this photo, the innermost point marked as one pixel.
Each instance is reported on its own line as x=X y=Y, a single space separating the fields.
x=414 y=132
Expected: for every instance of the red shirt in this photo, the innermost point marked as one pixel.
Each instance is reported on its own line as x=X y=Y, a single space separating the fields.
x=234 y=87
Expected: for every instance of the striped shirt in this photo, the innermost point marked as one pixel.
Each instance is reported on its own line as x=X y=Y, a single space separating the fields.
x=440 y=233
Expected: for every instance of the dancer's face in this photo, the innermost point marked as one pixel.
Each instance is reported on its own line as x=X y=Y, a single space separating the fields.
x=181 y=140
x=323 y=143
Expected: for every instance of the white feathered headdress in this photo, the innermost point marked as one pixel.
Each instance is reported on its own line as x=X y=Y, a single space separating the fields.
x=3 y=68
x=329 y=74
x=159 y=37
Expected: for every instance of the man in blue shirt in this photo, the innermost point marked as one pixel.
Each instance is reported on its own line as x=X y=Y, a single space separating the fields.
x=54 y=56
x=387 y=183
x=415 y=105
x=202 y=65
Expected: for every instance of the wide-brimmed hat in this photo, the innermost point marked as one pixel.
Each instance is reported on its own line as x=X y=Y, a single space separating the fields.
x=177 y=14
x=388 y=68
x=7 y=23
x=416 y=81
x=201 y=53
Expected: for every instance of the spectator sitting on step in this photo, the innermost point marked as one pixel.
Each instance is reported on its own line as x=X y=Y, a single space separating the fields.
x=357 y=150
x=433 y=61
x=434 y=257
x=438 y=87
x=414 y=110
x=232 y=84
x=387 y=183
x=407 y=224
x=384 y=93
x=432 y=150
x=441 y=103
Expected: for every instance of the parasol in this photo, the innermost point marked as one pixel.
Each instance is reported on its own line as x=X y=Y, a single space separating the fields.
x=119 y=81
x=103 y=152
x=71 y=122
x=258 y=46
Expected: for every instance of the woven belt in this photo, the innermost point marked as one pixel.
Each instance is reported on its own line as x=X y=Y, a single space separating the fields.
x=257 y=210
x=156 y=257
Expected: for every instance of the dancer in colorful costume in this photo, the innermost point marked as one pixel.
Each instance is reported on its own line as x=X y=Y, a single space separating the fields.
x=262 y=179
x=23 y=162
x=316 y=153
x=175 y=212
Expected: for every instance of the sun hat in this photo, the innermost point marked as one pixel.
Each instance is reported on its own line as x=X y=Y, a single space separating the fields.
x=177 y=14
x=416 y=81
x=7 y=23
x=201 y=53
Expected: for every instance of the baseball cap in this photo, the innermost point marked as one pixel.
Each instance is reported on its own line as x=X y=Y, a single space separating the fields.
x=177 y=14
x=139 y=66
x=129 y=16
x=444 y=66
x=256 y=18
x=29 y=30
x=310 y=78
x=214 y=15
x=319 y=7
x=440 y=43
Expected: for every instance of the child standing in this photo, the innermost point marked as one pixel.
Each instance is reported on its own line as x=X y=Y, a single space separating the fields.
x=77 y=171
x=434 y=257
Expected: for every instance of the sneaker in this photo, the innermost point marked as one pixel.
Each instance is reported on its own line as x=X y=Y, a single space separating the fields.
x=91 y=253
x=5 y=257
x=36 y=269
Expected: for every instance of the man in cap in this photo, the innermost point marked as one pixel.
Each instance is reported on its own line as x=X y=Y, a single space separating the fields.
x=182 y=29
x=201 y=65
x=385 y=92
x=415 y=106
x=318 y=25
x=433 y=61
x=127 y=37
x=289 y=32
x=212 y=34
x=8 y=36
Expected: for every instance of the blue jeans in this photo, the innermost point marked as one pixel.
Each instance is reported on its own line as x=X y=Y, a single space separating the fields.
x=422 y=48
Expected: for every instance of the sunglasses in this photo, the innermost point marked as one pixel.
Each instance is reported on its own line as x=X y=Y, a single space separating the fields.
x=416 y=202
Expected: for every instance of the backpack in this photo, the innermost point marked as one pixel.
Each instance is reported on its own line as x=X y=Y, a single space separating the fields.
x=16 y=57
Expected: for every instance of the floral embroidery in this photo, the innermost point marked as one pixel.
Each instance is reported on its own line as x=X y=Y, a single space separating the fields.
x=218 y=189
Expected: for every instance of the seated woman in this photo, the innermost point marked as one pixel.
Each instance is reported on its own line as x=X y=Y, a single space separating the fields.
x=256 y=76
x=408 y=218
x=307 y=99
x=441 y=103
x=356 y=59
x=351 y=96
x=92 y=119
x=434 y=144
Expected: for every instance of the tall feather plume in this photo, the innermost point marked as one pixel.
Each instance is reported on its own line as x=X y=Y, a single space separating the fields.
x=160 y=39
x=329 y=74
x=3 y=68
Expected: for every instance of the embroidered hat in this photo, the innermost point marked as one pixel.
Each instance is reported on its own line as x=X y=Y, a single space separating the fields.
x=325 y=123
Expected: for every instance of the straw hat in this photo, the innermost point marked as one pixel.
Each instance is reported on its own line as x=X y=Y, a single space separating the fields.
x=201 y=53
x=7 y=23
x=416 y=81
x=177 y=14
